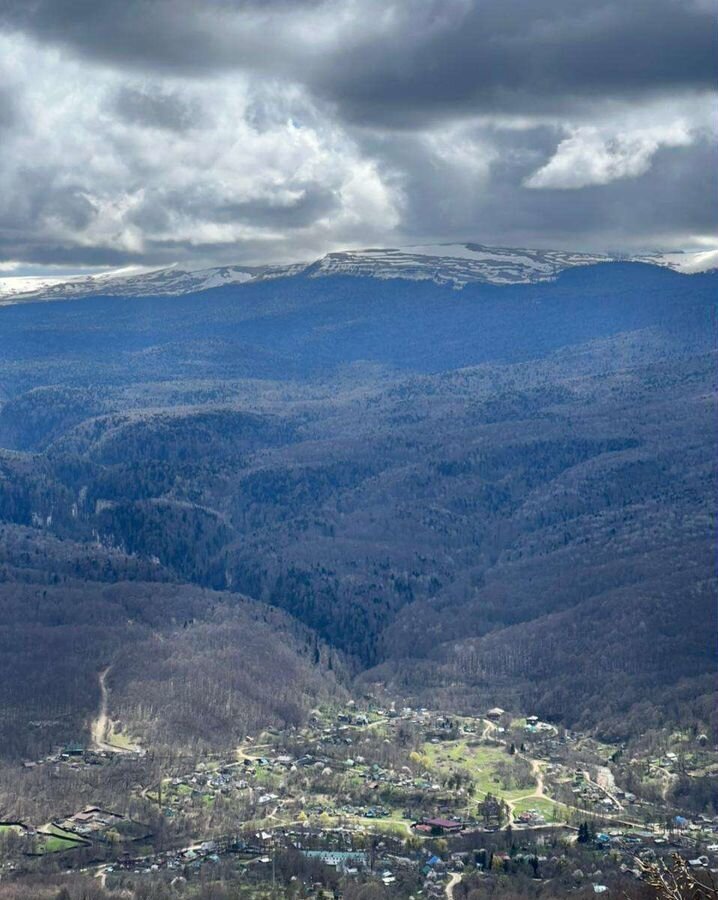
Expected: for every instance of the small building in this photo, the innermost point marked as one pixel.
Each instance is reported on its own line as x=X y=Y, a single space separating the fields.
x=73 y=750
x=339 y=859
x=495 y=713
x=438 y=826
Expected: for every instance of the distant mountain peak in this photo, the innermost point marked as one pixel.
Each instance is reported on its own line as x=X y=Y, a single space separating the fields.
x=456 y=264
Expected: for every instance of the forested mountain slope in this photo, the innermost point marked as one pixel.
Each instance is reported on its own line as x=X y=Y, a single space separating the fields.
x=502 y=493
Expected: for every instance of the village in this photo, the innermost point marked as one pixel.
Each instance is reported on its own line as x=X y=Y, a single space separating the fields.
x=404 y=796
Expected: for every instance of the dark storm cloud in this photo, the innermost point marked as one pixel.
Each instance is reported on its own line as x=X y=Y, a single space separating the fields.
x=39 y=198
x=196 y=131
x=42 y=252
x=403 y=62
x=175 y=35
x=675 y=196
x=520 y=56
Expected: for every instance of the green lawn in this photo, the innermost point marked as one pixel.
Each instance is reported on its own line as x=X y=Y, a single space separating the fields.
x=56 y=840
x=542 y=805
x=120 y=740
x=57 y=845
x=479 y=761
x=264 y=777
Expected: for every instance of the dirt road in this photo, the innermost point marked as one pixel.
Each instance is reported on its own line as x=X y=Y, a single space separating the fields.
x=101 y=723
x=102 y=726
x=451 y=884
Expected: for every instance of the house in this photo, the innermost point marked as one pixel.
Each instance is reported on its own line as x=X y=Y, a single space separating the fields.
x=430 y=866
x=438 y=826
x=495 y=713
x=73 y=750
x=341 y=860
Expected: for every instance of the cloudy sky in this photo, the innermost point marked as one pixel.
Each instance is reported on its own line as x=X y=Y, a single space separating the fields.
x=209 y=131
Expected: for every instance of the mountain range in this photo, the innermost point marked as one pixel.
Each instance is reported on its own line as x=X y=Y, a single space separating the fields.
x=496 y=495
x=453 y=264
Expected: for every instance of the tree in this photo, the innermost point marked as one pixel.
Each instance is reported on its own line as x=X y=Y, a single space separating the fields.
x=492 y=810
x=676 y=881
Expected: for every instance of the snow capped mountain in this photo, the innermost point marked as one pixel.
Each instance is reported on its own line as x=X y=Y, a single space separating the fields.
x=459 y=264
x=171 y=281
x=452 y=264
x=456 y=264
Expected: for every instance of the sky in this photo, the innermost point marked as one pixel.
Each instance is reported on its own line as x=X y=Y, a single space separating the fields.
x=210 y=132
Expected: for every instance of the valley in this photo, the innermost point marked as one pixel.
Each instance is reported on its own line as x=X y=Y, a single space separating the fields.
x=365 y=791
x=273 y=553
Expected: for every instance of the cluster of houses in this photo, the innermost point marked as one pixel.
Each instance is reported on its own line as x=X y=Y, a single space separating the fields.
x=91 y=825
x=672 y=763
x=696 y=824
x=592 y=794
x=258 y=772
x=91 y=820
x=188 y=859
x=631 y=848
x=535 y=726
x=333 y=745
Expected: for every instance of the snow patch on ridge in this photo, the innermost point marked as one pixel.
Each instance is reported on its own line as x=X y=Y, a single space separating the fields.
x=451 y=264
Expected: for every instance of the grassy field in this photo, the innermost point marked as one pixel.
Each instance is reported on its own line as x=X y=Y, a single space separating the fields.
x=542 y=805
x=480 y=762
x=56 y=840
x=120 y=740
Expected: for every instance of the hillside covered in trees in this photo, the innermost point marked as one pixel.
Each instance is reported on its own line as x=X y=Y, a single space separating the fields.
x=244 y=499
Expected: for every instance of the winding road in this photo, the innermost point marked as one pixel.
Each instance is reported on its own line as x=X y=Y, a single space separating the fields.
x=451 y=884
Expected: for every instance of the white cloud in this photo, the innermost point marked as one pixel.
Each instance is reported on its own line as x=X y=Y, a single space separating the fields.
x=595 y=156
x=76 y=173
x=110 y=159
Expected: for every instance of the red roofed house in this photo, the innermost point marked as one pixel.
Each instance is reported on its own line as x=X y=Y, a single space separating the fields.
x=438 y=826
